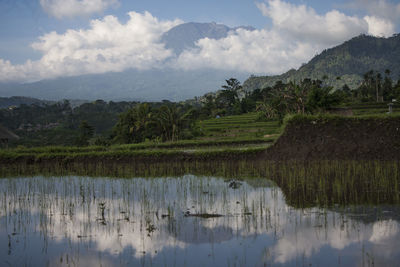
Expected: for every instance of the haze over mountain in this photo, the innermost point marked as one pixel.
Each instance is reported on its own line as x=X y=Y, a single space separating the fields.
x=343 y=64
x=185 y=36
x=145 y=85
x=349 y=61
x=120 y=49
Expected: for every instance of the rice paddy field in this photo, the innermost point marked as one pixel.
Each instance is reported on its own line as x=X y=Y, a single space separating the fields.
x=374 y=109
x=212 y=201
x=246 y=126
x=184 y=220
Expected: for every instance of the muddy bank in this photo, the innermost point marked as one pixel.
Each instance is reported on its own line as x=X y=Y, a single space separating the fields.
x=337 y=138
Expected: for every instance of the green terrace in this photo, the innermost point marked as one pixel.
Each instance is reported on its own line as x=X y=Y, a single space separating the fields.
x=238 y=127
x=361 y=109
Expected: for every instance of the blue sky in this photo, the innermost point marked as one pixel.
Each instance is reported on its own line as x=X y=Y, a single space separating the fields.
x=25 y=22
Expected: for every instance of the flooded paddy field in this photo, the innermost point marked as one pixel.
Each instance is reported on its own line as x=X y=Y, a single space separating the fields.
x=192 y=220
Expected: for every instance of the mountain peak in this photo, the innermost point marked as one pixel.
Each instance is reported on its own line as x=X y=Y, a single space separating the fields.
x=184 y=36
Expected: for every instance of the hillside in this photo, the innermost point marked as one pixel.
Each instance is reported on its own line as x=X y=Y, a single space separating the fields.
x=15 y=101
x=129 y=85
x=349 y=61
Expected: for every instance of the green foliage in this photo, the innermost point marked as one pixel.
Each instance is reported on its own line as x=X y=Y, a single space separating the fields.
x=349 y=61
x=58 y=123
x=85 y=134
x=307 y=97
x=169 y=122
x=236 y=127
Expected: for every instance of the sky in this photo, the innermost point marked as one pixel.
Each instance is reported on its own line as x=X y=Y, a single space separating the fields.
x=44 y=39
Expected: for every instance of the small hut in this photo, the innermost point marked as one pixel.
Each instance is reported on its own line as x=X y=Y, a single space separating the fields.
x=6 y=136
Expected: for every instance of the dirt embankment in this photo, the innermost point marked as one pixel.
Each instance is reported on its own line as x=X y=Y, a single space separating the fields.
x=334 y=137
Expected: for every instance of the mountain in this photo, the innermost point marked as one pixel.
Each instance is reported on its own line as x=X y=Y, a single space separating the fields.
x=130 y=85
x=184 y=36
x=15 y=101
x=135 y=85
x=343 y=64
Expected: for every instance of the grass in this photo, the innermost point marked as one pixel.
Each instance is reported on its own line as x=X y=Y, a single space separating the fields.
x=178 y=145
x=230 y=133
x=304 y=184
x=238 y=134
x=228 y=149
x=360 y=109
x=10 y=156
x=237 y=127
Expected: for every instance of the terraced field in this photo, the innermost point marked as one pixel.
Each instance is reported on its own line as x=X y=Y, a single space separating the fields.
x=244 y=126
x=374 y=108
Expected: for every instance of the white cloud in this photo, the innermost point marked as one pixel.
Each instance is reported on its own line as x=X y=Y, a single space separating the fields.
x=303 y=23
x=378 y=8
x=379 y=27
x=297 y=33
x=73 y=8
x=383 y=231
x=256 y=51
x=107 y=45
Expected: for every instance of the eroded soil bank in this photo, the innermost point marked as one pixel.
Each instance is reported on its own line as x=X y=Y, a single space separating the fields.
x=337 y=138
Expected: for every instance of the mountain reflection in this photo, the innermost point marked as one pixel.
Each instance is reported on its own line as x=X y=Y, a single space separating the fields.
x=168 y=221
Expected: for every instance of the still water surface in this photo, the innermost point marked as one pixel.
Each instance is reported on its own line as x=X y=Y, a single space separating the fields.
x=184 y=221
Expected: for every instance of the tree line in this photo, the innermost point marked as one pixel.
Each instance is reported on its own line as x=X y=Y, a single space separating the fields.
x=102 y=123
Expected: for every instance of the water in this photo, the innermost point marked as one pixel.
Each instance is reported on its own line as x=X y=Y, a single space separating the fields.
x=184 y=221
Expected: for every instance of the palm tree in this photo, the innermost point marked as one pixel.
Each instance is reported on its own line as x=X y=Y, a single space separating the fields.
x=171 y=120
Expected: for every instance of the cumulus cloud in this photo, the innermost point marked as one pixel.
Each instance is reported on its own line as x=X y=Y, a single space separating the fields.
x=297 y=33
x=73 y=8
x=303 y=23
x=378 y=8
x=107 y=45
x=256 y=51
x=379 y=27
x=383 y=231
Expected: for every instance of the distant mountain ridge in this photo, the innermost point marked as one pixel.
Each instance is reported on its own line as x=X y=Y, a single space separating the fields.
x=343 y=64
x=16 y=101
x=184 y=36
x=129 y=85
x=138 y=85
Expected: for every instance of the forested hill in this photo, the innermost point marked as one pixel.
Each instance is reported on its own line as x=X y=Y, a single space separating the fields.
x=343 y=64
x=6 y=102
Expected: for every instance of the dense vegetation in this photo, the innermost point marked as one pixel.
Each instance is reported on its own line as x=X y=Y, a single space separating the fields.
x=349 y=61
x=230 y=113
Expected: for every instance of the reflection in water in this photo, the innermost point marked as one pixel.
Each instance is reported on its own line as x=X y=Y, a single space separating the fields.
x=81 y=221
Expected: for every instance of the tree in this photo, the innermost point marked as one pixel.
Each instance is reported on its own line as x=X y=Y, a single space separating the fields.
x=232 y=85
x=378 y=81
x=322 y=98
x=85 y=133
x=166 y=123
x=387 y=87
x=228 y=97
x=172 y=120
x=133 y=125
